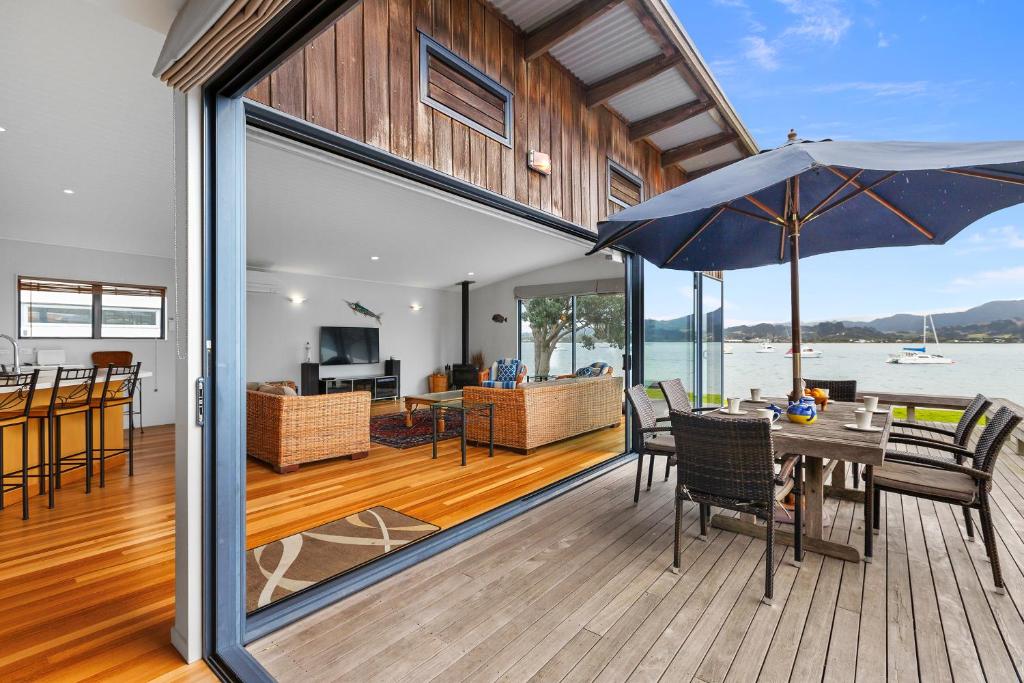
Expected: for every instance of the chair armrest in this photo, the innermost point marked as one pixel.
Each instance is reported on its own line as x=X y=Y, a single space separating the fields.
x=704 y=409
x=914 y=439
x=925 y=461
x=927 y=428
x=948 y=447
x=564 y=376
x=667 y=418
x=655 y=430
x=789 y=462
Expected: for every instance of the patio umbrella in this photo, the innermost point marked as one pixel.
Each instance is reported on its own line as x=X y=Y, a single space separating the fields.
x=806 y=198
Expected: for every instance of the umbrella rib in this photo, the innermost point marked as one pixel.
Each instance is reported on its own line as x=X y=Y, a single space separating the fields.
x=888 y=205
x=855 y=193
x=764 y=207
x=711 y=219
x=750 y=214
x=625 y=233
x=831 y=196
x=984 y=176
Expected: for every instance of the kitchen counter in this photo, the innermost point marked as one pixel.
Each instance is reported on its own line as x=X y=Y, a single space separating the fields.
x=46 y=378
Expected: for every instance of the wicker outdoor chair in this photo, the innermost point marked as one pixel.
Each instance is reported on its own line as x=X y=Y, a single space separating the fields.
x=959 y=436
x=678 y=399
x=657 y=440
x=924 y=476
x=730 y=463
x=839 y=390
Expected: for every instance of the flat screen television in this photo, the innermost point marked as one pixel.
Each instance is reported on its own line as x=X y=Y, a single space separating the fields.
x=349 y=345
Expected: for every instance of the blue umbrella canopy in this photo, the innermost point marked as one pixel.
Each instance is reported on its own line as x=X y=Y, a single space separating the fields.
x=808 y=198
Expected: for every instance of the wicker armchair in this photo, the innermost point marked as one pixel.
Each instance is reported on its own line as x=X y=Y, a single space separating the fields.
x=838 y=389
x=924 y=476
x=288 y=431
x=959 y=436
x=656 y=440
x=730 y=463
x=678 y=399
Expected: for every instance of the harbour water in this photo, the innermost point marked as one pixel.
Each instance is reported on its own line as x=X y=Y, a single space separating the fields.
x=993 y=369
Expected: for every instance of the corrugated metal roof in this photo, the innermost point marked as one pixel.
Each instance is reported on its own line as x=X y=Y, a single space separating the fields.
x=716 y=156
x=698 y=127
x=529 y=14
x=647 y=98
x=614 y=41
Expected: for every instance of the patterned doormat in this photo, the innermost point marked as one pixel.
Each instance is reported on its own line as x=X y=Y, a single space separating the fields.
x=288 y=565
x=390 y=429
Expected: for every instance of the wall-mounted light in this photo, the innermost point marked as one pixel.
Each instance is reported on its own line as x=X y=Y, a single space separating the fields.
x=375 y=258
x=297 y=299
x=539 y=162
x=416 y=307
x=68 y=190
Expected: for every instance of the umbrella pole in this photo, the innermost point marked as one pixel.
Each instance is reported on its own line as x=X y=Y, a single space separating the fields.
x=794 y=298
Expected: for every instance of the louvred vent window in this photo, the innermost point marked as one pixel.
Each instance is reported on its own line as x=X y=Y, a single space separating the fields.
x=451 y=85
x=624 y=188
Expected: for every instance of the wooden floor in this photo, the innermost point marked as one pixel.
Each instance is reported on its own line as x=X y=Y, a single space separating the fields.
x=87 y=589
x=437 y=491
x=579 y=589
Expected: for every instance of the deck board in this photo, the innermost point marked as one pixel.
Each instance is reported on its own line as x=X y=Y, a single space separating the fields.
x=580 y=589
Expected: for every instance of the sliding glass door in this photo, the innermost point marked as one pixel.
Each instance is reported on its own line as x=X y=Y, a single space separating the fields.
x=712 y=346
x=669 y=328
x=561 y=334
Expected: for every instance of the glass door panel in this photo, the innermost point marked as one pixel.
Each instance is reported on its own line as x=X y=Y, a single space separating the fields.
x=546 y=325
x=600 y=330
x=711 y=341
x=669 y=328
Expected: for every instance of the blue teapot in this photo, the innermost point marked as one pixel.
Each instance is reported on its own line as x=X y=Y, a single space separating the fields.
x=803 y=411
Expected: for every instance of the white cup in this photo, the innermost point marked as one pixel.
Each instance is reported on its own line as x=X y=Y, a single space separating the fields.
x=871 y=403
x=767 y=414
x=755 y=394
x=863 y=417
x=734 y=404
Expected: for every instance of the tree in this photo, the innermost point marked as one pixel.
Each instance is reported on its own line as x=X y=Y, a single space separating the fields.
x=599 y=318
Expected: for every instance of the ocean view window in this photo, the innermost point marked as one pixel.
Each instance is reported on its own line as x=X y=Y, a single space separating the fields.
x=49 y=308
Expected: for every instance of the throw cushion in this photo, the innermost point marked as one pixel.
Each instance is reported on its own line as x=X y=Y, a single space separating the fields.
x=593 y=370
x=252 y=386
x=277 y=390
x=507 y=370
x=494 y=384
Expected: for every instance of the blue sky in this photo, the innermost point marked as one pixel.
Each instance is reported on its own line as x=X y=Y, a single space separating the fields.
x=872 y=70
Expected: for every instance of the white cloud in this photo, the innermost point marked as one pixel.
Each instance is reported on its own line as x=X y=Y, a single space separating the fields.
x=1002 y=237
x=762 y=53
x=821 y=20
x=878 y=89
x=884 y=41
x=1014 y=275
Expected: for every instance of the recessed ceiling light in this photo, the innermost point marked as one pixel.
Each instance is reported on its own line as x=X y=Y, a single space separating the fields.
x=68 y=190
x=297 y=299
x=471 y=274
x=2 y=129
x=375 y=258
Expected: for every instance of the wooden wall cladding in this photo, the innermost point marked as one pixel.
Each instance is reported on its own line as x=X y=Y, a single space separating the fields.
x=360 y=78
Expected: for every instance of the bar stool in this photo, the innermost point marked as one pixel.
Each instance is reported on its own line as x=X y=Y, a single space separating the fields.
x=76 y=401
x=102 y=359
x=118 y=390
x=15 y=404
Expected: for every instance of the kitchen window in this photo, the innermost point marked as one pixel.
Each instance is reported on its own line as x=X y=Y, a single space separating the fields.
x=49 y=308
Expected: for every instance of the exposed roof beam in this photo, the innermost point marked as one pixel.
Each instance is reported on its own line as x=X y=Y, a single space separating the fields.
x=602 y=91
x=696 y=148
x=693 y=175
x=652 y=124
x=542 y=38
x=650 y=25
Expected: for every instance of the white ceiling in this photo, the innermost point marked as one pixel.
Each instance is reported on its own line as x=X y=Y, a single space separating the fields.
x=314 y=213
x=83 y=111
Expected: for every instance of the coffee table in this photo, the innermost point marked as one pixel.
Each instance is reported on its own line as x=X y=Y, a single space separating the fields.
x=428 y=400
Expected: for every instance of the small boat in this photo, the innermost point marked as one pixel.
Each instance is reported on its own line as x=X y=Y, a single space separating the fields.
x=806 y=351
x=766 y=347
x=918 y=355
x=726 y=349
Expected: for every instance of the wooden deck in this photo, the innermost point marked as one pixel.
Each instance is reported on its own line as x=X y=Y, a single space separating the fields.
x=580 y=589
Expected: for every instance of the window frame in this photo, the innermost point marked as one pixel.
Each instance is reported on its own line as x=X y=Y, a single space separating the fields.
x=629 y=175
x=431 y=48
x=97 y=308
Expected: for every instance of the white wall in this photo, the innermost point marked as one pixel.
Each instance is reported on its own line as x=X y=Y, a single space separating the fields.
x=279 y=329
x=43 y=260
x=498 y=340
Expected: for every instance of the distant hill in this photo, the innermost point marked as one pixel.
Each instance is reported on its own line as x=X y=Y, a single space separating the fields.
x=979 y=315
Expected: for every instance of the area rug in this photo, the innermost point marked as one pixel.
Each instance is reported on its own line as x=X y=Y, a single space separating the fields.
x=282 y=567
x=390 y=429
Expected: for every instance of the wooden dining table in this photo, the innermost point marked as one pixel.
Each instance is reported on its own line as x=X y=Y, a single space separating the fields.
x=825 y=439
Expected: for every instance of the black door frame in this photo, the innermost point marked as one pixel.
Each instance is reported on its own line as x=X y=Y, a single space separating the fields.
x=227 y=629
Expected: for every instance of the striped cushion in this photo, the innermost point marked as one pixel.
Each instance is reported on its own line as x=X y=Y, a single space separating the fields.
x=505 y=370
x=494 y=384
x=593 y=370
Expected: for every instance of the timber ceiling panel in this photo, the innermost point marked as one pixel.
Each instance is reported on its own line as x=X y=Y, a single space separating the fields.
x=730 y=152
x=698 y=127
x=586 y=52
x=655 y=95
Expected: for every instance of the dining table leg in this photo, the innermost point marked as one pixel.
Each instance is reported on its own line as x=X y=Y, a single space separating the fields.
x=837 y=487
x=813 y=540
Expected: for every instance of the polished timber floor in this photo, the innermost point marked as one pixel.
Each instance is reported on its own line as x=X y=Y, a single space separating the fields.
x=579 y=589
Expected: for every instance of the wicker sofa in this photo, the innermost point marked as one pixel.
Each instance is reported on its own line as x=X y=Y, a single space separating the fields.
x=535 y=414
x=288 y=431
